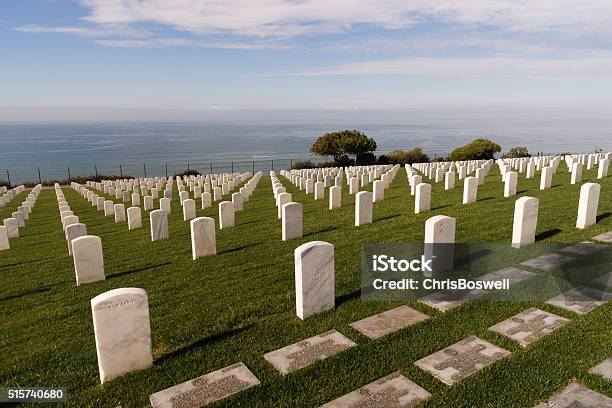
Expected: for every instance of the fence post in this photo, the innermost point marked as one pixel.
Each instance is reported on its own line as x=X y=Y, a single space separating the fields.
x=96 y=169
x=210 y=167
x=232 y=167
x=272 y=165
x=188 y=167
x=120 y=170
x=290 y=164
x=166 y=170
x=8 y=178
x=39 y=178
x=253 y=166
x=69 y=174
x=144 y=166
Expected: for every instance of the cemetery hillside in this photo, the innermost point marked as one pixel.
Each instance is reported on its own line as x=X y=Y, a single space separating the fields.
x=273 y=288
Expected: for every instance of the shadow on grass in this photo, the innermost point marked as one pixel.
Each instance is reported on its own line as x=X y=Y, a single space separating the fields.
x=442 y=206
x=227 y=251
x=388 y=217
x=26 y=293
x=522 y=191
x=466 y=260
x=348 y=297
x=603 y=216
x=24 y=263
x=547 y=234
x=326 y=229
x=131 y=271
x=250 y=222
x=202 y=342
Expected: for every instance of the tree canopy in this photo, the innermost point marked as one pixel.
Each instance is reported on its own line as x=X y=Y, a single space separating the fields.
x=519 y=151
x=477 y=149
x=342 y=143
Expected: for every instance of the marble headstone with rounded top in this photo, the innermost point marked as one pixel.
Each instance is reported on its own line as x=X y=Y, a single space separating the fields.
x=159 y=225
x=88 y=259
x=314 y=278
x=203 y=241
x=134 y=217
x=122 y=332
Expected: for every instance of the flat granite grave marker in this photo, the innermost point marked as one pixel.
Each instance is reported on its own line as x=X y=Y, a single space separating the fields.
x=392 y=391
x=122 y=331
x=604 y=280
x=314 y=278
x=581 y=300
x=88 y=259
x=306 y=352
x=604 y=369
x=206 y=389
x=445 y=301
x=576 y=396
x=461 y=359
x=605 y=237
x=583 y=248
x=529 y=325
x=388 y=322
x=547 y=262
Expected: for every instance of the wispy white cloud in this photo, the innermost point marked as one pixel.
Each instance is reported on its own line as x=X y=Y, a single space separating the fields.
x=287 y=18
x=156 y=42
x=477 y=67
x=106 y=30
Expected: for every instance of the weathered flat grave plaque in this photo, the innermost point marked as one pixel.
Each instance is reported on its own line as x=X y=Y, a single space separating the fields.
x=576 y=396
x=605 y=237
x=547 y=262
x=604 y=369
x=392 y=391
x=206 y=389
x=306 y=352
x=446 y=300
x=461 y=359
x=604 y=280
x=529 y=325
x=583 y=248
x=387 y=322
x=580 y=300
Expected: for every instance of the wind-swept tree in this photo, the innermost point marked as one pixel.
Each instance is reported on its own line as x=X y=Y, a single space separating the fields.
x=343 y=143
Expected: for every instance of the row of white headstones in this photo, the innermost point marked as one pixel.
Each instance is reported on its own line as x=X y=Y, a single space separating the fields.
x=86 y=250
x=123 y=341
x=10 y=226
x=121 y=316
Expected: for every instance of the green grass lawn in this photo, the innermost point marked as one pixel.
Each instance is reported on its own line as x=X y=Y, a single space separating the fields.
x=240 y=304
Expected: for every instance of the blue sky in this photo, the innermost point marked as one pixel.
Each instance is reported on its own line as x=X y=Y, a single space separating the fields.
x=188 y=58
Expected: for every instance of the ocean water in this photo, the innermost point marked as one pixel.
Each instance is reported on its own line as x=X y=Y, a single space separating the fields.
x=133 y=148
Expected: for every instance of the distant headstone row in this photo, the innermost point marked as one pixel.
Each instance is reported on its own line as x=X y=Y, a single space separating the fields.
x=10 y=226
